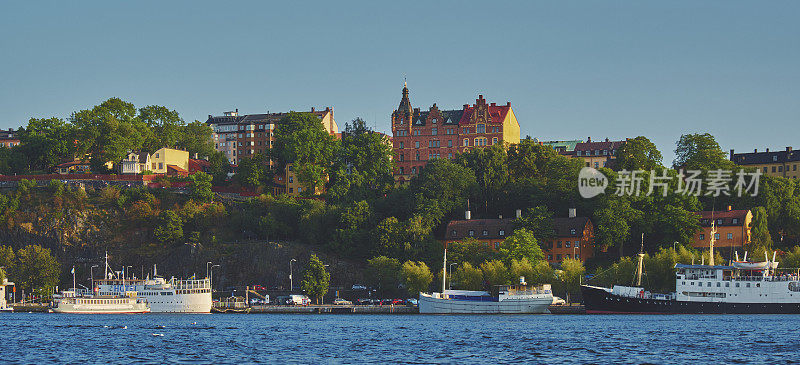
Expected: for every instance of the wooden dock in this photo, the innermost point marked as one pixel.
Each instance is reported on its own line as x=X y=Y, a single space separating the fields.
x=335 y=309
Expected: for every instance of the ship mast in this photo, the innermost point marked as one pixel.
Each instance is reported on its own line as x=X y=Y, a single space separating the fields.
x=640 y=264
x=711 y=243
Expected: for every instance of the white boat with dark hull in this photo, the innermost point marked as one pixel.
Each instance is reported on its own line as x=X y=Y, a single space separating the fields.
x=742 y=287
x=511 y=299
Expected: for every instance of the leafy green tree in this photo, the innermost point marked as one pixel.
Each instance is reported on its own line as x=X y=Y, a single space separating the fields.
x=316 y=279
x=571 y=272
x=108 y=131
x=169 y=227
x=760 y=239
x=440 y=189
x=195 y=138
x=490 y=166
x=538 y=220
x=700 y=152
x=467 y=277
x=383 y=273
x=495 y=272
x=614 y=223
x=47 y=142
x=7 y=257
x=790 y=259
x=36 y=270
x=220 y=167
x=254 y=171
x=55 y=187
x=521 y=244
x=164 y=127
x=416 y=276
x=542 y=274
x=638 y=154
x=362 y=165
x=201 y=187
x=522 y=268
x=472 y=251
x=301 y=140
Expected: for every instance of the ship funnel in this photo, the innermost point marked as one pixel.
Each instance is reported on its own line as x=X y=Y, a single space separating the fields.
x=737 y=255
x=522 y=281
x=745 y=256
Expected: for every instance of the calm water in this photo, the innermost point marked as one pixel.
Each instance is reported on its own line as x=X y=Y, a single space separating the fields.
x=255 y=338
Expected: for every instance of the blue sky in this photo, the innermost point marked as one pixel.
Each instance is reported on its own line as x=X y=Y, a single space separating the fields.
x=571 y=69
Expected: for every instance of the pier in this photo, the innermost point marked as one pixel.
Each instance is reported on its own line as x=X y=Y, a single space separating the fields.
x=359 y=309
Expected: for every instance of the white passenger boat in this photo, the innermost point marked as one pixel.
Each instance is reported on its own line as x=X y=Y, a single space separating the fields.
x=163 y=296
x=75 y=302
x=510 y=299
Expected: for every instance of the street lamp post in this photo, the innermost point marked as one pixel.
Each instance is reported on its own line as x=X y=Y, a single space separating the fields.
x=208 y=264
x=91 y=274
x=450 y=272
x=291 y=280
x=129 y=272
x=211 y=278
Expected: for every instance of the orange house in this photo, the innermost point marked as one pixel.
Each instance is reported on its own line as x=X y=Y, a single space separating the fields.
x=573 y=238
x=733 y=228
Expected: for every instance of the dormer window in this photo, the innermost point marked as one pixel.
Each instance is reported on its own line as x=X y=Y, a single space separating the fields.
x=719 y=222
x=485 y=232
x=481 y=128
x=453 y=233
x=471 y=233
x=735 y=221
x=572 y=231
x=577 y=153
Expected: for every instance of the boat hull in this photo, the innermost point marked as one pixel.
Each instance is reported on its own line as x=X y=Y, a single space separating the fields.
x=432 y=305
x=599 y=301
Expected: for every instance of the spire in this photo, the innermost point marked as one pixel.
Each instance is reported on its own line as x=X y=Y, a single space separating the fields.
x=405 y=103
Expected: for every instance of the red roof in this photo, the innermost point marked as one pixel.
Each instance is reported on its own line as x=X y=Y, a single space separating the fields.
x=196 y=165
x=72 y=163
x=724 y=214
x=498 y=114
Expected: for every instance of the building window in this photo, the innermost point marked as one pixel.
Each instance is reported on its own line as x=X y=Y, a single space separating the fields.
x=577 y=244
x=402 y=170
x=485 y=232
x=716 y=236
x=730 y=236
x=494 y=140
x=481 y=128
x=577 y=256
x=299 y=189
x=291 y=179
x=416 y=144
x=780 y=168
x=502 y=233
x=558 y=257
x=466 y=142
x=773 y=168
x=577 y=153
x=572 y=231
x=401 y=145
x=596 y=165
x=558 y=244
x=550 y=244
x=291 y=190
x=550 y=257
x=450 y=143
x=775 y=158
x=471 y=233
x=735 y=221
x=160 y=165
x=765 y=169
x=719 y=222
x=453 y=233
x=417 y=156
x=496 y=245
x=433 y=121
x=450 y=156
x=702 y=236
x=567 y=244
x=434 y=131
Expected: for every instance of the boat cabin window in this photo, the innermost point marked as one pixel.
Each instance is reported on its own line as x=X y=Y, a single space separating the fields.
x=727 y=285
x=758 y=285
x=737 y=285
x=718 y=285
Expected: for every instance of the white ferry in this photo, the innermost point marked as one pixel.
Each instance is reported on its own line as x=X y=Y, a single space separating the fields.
x=510 y=299
x=163 y=296
x=74 y=302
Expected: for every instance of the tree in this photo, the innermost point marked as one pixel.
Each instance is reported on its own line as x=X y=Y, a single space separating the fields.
x=441 y=188
x=467 y=277
x=196 y=138
x=36 y=270
x=164 y=127
x=490 y=166
x=495 y=273
x=472 y=251
x=301 y=140
x=7 y=257
x=169 y=227
x=108 y=131
x=201 y=187
x=638 y=154
x=363 y=164
x=760 y=239
x=416 y=276
x=614 y=222
x=254 y=171
x=316 y=279
x=220 y=167
x=383 y=273
x=571 y=272
x=700 y=152
x=791 y=259
x=521 y=244
x=47 y=142
x=538 y=220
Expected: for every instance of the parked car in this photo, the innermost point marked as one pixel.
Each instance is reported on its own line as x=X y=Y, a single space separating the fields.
x=412 y=301
x=558 y=301
x=259 y=288
x=340 y=301
x=359 y=287
x=364 y=301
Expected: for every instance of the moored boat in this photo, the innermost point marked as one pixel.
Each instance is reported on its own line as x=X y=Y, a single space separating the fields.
x=75 y=302
x=510 y=299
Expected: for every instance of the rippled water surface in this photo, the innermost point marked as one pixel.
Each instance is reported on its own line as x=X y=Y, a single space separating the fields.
x=255 y=338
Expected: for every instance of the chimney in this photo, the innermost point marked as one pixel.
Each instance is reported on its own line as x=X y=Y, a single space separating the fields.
x=466 y=106
x=588 y=139
x=312 y=109
x=730 y=208
x=467 y=215
x=789 y=149
x=237 y=111
x=195 y=155
x=519 y=213
x=493 y=104
x=606 y=139
x=508 y=103
x=767 y=149
x=209 y=116
x=572 y=213
x=500 y=216
x=731 y=154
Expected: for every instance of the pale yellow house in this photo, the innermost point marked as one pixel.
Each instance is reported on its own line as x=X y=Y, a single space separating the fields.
x=163 y=159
